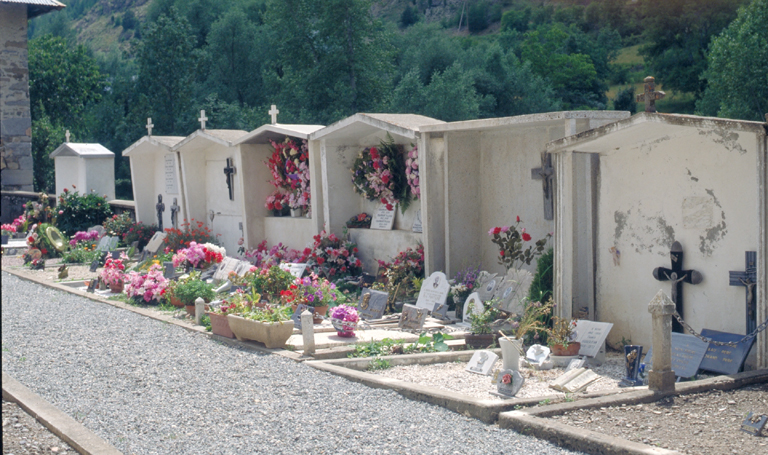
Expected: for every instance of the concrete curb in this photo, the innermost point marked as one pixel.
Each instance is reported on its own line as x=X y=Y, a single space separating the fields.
x=534 y=422
x=65 y=427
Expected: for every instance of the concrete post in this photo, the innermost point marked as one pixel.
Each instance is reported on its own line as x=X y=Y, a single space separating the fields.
x=661 y=378
x=199 y=310
x=308 y=333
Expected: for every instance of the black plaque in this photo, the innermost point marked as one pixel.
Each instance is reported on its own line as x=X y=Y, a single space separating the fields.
x=115 y=254
x=372 y=307
x=94 y=265
x=92 y=286
x=687 y=353
x=754 y=424
x=725 y=359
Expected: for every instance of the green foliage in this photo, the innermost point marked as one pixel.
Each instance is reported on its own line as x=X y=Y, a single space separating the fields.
x=477 y=16
x=271 y=283
x=187 y=292
x=481 y=323
x=541 y=286
x=141 y=232
x=516 y=19
x=205 y=321
x=625 y=100
x=80 y=254
x=409 y=17
x=78 y=213
x=738 y=67
x=434 y=343
x=379 y=364
x=118 y=225
x=46 y=137
x=270 y=313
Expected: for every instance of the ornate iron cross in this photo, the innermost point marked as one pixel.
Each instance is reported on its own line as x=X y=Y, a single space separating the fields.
x=546 y=174
x=748 y=279
x=677 y=276
x=229 y=171
x=650 y=95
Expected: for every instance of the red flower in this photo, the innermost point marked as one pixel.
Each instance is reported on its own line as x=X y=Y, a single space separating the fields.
x=526 y=236
x=518 y=218
x=506 y=379
x=374 y=153
x=501 y=253
x=320 y=261
x=376 y=166
x=496 y=231
x=385 y=178
x=44 y=251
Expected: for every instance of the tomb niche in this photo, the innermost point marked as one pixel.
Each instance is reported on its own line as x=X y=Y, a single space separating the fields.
x=297 y=227
x=155 y=171
x=658 y=185
x=336 y=148
x=87 y=167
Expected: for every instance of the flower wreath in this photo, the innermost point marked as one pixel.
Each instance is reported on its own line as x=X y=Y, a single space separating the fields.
x=289 y=166
x=379 y=174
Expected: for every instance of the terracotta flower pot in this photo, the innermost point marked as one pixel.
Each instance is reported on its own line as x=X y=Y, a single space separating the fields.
x=220 y=325
x=176 y=302
x=320 y=311
x=117 y=287
x=191 y=309
x=570 y=350
x=272 y=334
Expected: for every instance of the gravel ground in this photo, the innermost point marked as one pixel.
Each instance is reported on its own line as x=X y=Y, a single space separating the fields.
x=23 y=434
x=697 y=424
x=151 y=388
x=76 y=271
x=454 y=377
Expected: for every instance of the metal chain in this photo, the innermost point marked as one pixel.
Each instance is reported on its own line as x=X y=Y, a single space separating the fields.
x=732 y=344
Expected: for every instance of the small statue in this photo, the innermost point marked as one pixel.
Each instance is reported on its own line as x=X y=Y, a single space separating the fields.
x=63 y=272
x=160 y=207
x=175 y=214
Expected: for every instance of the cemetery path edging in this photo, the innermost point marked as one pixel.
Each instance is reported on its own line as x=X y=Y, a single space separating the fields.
x=65 y=427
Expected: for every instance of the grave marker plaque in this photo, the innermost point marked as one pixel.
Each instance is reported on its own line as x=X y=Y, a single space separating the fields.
x=511 y=290
x=155 y=242
x=417 y=222
x=103 y=244
x=296 y=317
x=242 y=268
x=227 y=265
x=482 y=362
x=412 y=318
x=508 y=382
x=168 y=269
x=372 y=304
x=485 y=286
x=687 y=354
x=434 y=291
x=94 y=265
x=295 y=269
x=591 y=335
x=632 y=357
x=473 y=304
x=725 y=359
x=114 y=254
x=91 y=286
x=383 y=219
x=170 y=174
x=754 y=424
x=441 y=311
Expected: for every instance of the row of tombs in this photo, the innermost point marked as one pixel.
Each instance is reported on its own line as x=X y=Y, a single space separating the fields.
x=615 y=190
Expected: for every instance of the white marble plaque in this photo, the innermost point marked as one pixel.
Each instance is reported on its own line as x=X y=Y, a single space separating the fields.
x=473 y=304
x=591 y=335
x=482 y=362
x=155 y=242
x=383 y=219
x=487 y=288
x=511 y=292
x=171 y=185
x=227 y=265
x=417 y=222
x=434 y=291
x=295 y=269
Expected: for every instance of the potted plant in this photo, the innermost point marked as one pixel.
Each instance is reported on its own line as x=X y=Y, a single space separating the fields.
x=559 y=337
x=149 y=286
x=7 y=231
x=270 y=282
x=271 y=325
x=311 y=291
x=219 y=322
x=113 y=274
x=344 y=319
x=188 y=291
x=481 y=335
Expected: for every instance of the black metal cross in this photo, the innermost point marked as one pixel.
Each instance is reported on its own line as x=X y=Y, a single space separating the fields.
x=677 y=276
x=650 y=95
x=546 y=174
x=228 y=171
x=748 y=279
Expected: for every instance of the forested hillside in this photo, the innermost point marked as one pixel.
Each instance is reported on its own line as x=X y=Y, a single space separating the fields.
x=101 y=67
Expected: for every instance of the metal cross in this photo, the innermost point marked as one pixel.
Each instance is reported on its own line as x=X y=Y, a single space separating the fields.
x=228 y=171
x=66 y=135
x=748 y=279
x=202 y=119
x=149 y=126
x=546 y=174
x=677 y=276
x=273 y=112
x=650 y=95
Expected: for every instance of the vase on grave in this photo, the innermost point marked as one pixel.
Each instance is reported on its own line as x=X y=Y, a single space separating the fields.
x=285 y=211
x=220 y=325
x=116 y=286
x=344 y=328
x=570 y=350
x=510 y=352
x=297 y=213
x=5 y=238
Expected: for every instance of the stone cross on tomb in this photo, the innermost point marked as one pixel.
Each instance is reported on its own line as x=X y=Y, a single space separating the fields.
x=149 y=126
x=175 y=214
x=546 y=174
x=202 y=119
x=160 y=207
x=748 y=279
x=273 y=112
x=650 y=95
x=677 y=276
x=66 y=136
x=229 y=171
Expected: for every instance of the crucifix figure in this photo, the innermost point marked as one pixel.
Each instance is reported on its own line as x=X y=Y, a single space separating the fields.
x=160 y=207
x=66 y=135
x=650 y=95
x=546 y=174
x=202 y=119
x=748 y=279
x=229 y=171
x=273 y=112
x=175 y=214
x=677 y=276
x=149 y=126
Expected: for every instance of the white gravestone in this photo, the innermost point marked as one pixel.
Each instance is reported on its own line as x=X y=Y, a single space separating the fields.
x=434 y=291
x=383 y=219
x=513 y=290
x=155 y=242
x=295 y=269
x=171 y=185
x=473 y=305
x=482 y=362
x=508 y=383
x=103 y=244
x=485 y=285
x=591 y=335
x=227 y=265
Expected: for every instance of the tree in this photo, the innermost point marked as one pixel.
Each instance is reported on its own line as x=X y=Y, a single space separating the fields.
x=46 y=136
x=450 y=96
x=738 y=67
x=166 y=68
x=625 y=100
x=409 y=17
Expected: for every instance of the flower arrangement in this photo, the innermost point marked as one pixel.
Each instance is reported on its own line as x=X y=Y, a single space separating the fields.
x=264 y=257
x=84 y=237
x=402 y=273
x=311 y=290
x=510 y=242
x=36 y=239
x=463 y=285
x=344 y=319
x=118 y=225
x=8 y=229
x=412 y=171
x=532 y=324
x=150 y=286
x=188 y=232
x=289 y=166
x=17 y=225
x=139 y=232
x=270 y=282
x=37 y=264
x=198 y=255
x=362 y=220
x=378 y=174
x=333 y=257
x=39 y=211
x=561 y=332
x=113 y=273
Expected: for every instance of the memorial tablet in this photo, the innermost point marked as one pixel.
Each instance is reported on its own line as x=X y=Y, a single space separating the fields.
x=155 y=242
x=417 y=222
x=687 y=354
x=482 y=362
x=486 y=286
x=434 y=291
x=295 y=269
x=372 y=304
x=412 y=318
x=725 y=359
x=591 y=335
x=473 y=304
x=383 y=219
x=227 y=265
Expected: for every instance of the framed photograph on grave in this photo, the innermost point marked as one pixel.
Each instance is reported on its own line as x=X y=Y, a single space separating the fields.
x=383 y=219
x=372 y=304
x=412 y=318
x=485 y=285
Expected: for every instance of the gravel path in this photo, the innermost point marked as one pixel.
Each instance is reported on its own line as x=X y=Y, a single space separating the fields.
x=23 y=434
x=151 y=388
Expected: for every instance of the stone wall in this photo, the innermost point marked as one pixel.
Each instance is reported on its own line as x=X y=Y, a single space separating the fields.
x=15 y=118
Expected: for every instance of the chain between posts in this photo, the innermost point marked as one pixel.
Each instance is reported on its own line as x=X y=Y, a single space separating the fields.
x=732 y=344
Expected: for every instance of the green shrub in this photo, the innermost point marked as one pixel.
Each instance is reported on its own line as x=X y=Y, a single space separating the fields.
x=541 y=286
x=188 y=292
x=78 y=213
x=141 y=232
x=118 y=225
x=271 y=283
x=79 y=255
